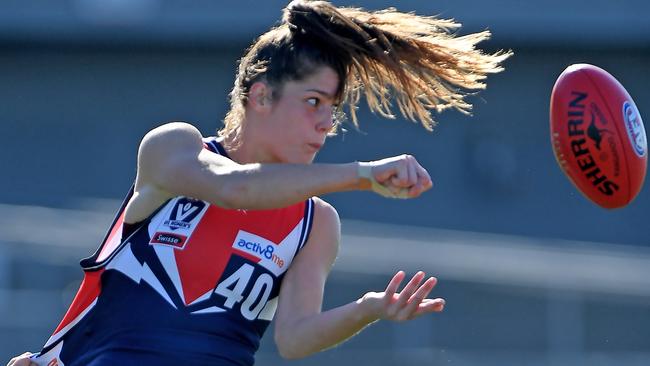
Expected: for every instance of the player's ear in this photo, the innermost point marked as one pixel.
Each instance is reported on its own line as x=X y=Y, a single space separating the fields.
x=259 y=97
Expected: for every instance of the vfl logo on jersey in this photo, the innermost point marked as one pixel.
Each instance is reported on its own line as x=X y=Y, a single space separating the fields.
x=179 y=221
x=184 y=211
x=265 y=252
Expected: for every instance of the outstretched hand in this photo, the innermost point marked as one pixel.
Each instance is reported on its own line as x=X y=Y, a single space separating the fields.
x=408 y=304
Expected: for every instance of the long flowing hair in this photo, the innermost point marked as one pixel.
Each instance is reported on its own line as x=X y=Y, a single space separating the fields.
x=389 y=57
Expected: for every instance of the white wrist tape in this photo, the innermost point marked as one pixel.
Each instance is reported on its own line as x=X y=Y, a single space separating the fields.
x=365 y=171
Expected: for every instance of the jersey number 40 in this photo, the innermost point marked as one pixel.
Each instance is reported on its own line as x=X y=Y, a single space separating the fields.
x=233 y=287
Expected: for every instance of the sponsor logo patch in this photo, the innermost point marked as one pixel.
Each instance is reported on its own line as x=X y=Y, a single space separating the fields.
x=267 y=252
x=171 y=239
x=179 y=222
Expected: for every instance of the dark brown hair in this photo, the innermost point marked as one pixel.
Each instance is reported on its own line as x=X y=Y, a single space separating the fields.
x=417 y=61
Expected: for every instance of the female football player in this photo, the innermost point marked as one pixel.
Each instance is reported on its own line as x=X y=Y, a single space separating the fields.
x=222 y=234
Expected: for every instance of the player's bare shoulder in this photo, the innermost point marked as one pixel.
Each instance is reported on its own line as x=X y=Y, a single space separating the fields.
x=326 y=212
x=161 y=150
x=327 y=224
x=166 y=141
x=316 y=258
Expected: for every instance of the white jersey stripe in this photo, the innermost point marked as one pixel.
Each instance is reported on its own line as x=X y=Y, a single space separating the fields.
x=56 y=336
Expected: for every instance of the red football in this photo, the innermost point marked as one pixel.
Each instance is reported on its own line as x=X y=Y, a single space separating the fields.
x=598 y=136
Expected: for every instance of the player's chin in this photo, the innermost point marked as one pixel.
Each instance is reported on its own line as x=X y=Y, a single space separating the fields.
x=305 y=161
x=300 y=157
x=307 y=158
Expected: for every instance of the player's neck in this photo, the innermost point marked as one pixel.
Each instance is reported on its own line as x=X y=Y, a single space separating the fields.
x=245 y=149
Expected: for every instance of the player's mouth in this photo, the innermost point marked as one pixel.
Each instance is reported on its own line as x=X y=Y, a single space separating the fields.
x=315 y=146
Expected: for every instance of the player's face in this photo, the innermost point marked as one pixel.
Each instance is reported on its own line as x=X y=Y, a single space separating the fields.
x=302 y=116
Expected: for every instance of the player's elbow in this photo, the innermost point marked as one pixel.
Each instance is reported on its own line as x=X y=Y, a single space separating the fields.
x=232 y=193
x=218 y=188
x=288 y=354
x=288 y=347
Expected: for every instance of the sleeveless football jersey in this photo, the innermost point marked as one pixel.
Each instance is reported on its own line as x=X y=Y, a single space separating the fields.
x=194 y=284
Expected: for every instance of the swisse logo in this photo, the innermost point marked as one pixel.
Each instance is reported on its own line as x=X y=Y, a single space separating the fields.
x=576 y=127
x=634 y=128
x=173 y=240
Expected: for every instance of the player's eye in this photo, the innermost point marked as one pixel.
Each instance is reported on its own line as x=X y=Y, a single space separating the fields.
x=314 y=102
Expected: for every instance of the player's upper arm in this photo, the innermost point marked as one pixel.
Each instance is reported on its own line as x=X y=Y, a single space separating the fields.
x=173 y=162
x=302 y=289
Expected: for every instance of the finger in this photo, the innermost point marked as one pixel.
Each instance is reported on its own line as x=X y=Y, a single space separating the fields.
x=409 y=290
x=395 y=188
x=417 y=298
x=386 y=169
x=412 y=170
x=401 y=178
x=423 y=176
x=423 y=291
x=416 y=190
x=429 y=306
x=423 y=182
x=394 y=283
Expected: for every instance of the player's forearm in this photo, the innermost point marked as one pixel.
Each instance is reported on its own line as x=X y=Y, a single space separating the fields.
x=321 y=331
x=264 y=186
